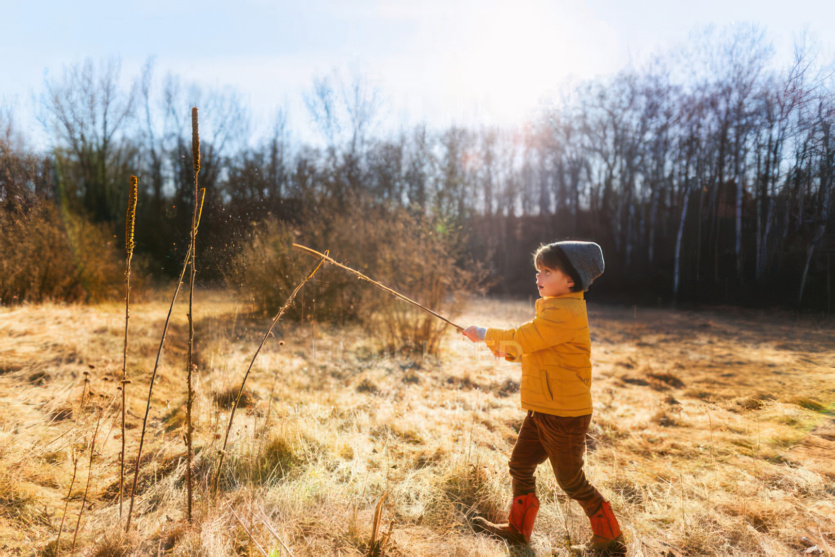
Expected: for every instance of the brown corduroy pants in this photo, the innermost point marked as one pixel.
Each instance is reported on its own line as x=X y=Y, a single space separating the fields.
x=561 y=440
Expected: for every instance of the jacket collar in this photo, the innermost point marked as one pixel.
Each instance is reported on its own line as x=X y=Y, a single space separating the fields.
x=544 y=303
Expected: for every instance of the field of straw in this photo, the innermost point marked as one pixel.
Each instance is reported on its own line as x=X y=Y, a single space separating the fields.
x=713 y=434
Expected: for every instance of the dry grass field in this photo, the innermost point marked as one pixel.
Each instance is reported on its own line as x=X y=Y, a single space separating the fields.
x=713 y=434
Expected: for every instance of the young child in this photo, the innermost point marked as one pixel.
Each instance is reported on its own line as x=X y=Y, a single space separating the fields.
x=554 y=350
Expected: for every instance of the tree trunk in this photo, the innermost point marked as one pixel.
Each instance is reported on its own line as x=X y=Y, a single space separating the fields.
x=679 y=236
x=809 y=251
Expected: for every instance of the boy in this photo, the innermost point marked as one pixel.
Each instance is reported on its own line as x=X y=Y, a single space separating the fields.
x=554 y=350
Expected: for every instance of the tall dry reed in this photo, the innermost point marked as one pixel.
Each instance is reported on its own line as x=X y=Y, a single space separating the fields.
x=195 y=155
x=130 y=222
x=154 y=375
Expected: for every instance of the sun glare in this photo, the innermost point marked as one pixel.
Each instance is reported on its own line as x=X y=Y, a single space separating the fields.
x=513 y=55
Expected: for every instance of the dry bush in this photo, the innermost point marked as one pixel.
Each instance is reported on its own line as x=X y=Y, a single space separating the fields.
x=267 y=270
x=49 y=254
x=408 y=253
x=420 y=259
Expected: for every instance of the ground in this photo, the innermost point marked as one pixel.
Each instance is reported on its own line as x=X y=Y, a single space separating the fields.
x=712 y=435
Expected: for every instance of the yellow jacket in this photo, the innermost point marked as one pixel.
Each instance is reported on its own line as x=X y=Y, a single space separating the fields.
x=555 y=351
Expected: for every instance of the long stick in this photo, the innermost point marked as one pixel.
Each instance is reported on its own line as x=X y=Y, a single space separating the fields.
x=278 y=315
x=375 y=283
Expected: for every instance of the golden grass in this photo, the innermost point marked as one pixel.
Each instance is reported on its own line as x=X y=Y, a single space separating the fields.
x=724 y=449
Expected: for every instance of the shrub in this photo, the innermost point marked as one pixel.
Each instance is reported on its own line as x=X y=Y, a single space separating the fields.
x=409 y=253
x=55 y=255
x=267 y=270
x=419 y=258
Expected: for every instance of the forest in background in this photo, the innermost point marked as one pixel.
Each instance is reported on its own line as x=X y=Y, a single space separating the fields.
x=706 y=175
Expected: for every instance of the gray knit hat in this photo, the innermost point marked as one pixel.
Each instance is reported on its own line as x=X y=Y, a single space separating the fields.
x=586 y=258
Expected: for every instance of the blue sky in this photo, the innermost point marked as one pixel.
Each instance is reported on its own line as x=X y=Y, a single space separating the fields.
x=486 y=61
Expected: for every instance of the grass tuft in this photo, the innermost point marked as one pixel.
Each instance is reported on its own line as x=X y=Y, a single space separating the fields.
x=114 y=543
x=463 y=493
x=226 y=398
x=810 y=403
x=15 y=503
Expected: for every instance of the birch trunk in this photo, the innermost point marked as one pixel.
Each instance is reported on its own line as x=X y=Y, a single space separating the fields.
x=679 y=237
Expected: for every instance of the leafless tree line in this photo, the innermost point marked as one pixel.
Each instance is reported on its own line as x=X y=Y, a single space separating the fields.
x=706 y=174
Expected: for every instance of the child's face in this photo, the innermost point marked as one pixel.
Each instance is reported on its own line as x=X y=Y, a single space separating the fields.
x=553 y=282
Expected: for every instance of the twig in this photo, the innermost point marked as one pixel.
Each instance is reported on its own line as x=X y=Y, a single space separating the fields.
x=262 y=516
x=130 y=221
x=265 y=428
x=375 y=283
x=75 y=458
x=278 y=315
x=251 y=537
x=84 y=391
x=89 y=473
x=195 y=154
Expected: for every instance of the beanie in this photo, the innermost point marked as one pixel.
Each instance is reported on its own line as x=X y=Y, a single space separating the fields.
x=586 y=258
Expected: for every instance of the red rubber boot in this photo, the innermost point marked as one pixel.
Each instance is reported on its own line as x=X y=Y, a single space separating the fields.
x=520 y=521
x=607 y=538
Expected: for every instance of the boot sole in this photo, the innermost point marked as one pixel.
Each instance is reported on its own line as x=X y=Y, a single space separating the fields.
x=616 y=549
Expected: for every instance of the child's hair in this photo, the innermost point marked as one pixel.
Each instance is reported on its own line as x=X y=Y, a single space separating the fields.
x=551 y=256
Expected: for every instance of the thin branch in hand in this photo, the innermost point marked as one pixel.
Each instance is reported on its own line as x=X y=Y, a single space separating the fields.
x=379 y=285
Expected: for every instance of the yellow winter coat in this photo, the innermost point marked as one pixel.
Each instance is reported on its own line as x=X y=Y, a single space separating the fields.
x=555 y=350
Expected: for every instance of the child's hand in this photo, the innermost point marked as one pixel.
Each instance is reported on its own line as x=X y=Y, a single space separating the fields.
x=474 y=333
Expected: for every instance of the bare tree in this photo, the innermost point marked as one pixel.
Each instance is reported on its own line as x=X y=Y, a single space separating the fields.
x=87 y=110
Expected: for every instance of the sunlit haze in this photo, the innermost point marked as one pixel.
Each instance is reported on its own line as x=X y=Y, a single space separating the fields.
x=472 y=62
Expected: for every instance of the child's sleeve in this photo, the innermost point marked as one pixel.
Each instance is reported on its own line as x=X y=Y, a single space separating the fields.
x=553 y=328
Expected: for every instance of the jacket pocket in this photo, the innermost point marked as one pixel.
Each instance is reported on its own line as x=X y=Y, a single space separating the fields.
x=546 y=386
x=584 y=375
x=565 y=383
